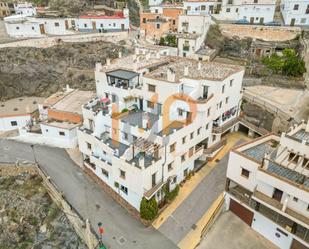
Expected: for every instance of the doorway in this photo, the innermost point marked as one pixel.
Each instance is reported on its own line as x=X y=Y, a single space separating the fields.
x=292 y=21
x=122 y=27
x=94 y=25
x=42 y=29
x=277 y=195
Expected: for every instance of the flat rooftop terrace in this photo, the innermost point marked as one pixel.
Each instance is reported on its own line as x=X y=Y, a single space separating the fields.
x=209 y=70
x=73 y=101
x=302 y=135
x=258 y=152
x=136 y=119
x=19 y=106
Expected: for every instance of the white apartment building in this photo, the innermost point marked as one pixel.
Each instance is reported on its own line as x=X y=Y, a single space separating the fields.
x=152 y=119
x=268 y=186
x=295 y=12
x=253 y=11
x=192 y=31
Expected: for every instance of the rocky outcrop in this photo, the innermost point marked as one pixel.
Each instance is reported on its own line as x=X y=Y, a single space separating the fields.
x=43 y=71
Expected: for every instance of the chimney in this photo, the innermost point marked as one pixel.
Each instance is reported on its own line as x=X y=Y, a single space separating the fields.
x=199 y=65
x=266 y=160
x=171 y=75
x=186 y=71
x=108 y=61
x=141 y=161
x=119 y=54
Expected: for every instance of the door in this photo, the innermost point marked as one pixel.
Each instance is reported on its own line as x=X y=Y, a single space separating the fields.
x=243 y=213
x=292 y=21
x=153 y=180
x=122 y=26
x=277 y=195
x=251 y=20
x=205 y=92
x=42 y=29
x=66 y=22
x=258 y=52
x=94 y=25
x=141 y=104
x=262 y=20
x=73 y=23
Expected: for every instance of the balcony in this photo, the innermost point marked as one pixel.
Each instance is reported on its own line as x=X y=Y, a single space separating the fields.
x=225 y=127
x=123 y=79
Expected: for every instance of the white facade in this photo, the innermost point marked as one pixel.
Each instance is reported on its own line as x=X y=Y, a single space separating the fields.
x=272 y=172
x=136 y=153
x=25 y=9
x=192 y=31
x=118 y=22
x=253 y=11
x=155 y=2
x=19 y=26
x=295 y=12
x=14 y=122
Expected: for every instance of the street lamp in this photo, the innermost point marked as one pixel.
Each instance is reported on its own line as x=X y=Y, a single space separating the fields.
x=33 y=152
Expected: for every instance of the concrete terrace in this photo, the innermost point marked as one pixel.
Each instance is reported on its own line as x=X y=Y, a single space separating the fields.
x=196 y=70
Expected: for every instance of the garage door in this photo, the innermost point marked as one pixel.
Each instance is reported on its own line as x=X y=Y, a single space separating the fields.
x=243 y=213
x=297 y=245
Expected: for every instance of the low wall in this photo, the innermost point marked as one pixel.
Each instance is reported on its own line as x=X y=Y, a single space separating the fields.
x=82 y=227
x=53 y=41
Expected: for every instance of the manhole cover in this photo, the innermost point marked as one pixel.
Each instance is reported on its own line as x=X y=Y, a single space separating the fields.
x=121 y=240
x=194 y=226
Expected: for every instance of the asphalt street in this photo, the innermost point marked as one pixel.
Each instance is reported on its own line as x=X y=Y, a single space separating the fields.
x=121 y=229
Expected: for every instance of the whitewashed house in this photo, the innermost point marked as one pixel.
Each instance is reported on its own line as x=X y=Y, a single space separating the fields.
x=295 y=12
x=25 y=9
x=98 y=23
x=152 y=119
x=252 y=11
x=268 y=186
x=192 y=31
x=18 y=112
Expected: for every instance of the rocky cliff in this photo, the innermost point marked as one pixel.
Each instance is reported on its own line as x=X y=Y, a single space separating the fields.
x=41 y=72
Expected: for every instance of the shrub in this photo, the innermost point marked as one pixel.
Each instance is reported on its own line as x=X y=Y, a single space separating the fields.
x=169 y=196
x=148 y=209
x=124 y=110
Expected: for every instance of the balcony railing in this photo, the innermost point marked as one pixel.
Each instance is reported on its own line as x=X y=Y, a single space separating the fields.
x=215 y=147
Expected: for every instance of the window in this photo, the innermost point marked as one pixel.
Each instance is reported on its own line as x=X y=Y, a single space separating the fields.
x=88 y=146
x=183 y=140
x=293 y=157
x=191 y=151
x=183 y=158
x=150 y=104
x=105 y=173
x=85 y=25
x=223 y=88
x=151 y=88
x=13 y=123
x=207 y=126
x=61 y=133
x=125 y=136
x=32 y=28
x=231 y=82
x=17 y=28
x=208 y=112
x=116 y=184
x=101 y=25
x=172 y=147
x=296 y=6
x=124 y=189
x=245 y=173
x=203 y=7
x=170 y=166
x=56 y=24
x=236 y=10
x=180 y=111
x=174 y=22
x=185 y=172
x=158 y=26
x=228 y=10
x=191 y=135
x=144 y=20
x=220 y=105
x=114 y=24
x=295 y=199
x=122 y=174
x=156 y=11
x=226 y=100
x=255 y=1
x=199 y=131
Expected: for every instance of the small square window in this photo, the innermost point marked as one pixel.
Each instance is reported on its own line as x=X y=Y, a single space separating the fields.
x=170 y=166
x=296 y=6
x=13 y=123
x=151 y=88
x=89 y=146
x=124 y=189
x=180 y=112
x=56 y=24
x=245 y=173
x=192 y=135
x=172 y=147
x=61 y=133
x=183 y=158
x=199 y=131
x=105 y=173
x=228 y=10
x=295 y=199
x=150 y=104
x=226 y=100
x=122 y=174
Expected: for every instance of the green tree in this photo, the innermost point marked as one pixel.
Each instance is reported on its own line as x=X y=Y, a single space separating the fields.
x=148 y=209
x=273 y=62
x=162 y=41
x=171 y=40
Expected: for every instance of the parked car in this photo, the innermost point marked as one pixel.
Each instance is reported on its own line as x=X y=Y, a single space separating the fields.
x=242 y=21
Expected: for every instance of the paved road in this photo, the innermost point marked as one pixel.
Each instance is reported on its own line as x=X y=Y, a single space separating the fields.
x=183 y=219
x=121 y=229
x=230 y=232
